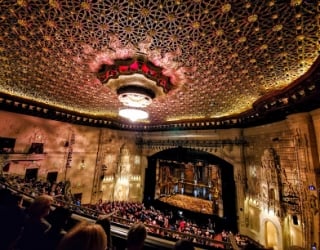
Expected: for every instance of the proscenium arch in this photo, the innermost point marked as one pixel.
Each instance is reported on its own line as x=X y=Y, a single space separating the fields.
x=181 y=154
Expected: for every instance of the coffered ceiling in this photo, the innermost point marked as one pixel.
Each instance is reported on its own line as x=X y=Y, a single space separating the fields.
x=233 y=63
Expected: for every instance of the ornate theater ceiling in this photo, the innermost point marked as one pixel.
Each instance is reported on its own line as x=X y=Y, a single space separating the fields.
x=207 y=63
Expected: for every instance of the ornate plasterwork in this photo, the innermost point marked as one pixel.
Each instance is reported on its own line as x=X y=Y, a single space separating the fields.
x=223 y=56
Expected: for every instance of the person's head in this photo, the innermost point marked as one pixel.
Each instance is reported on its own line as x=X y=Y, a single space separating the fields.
x=59 y=217
x=84 y=236
x=106 y=225
x=136 y=236
x=183 y=244
x=41 y=206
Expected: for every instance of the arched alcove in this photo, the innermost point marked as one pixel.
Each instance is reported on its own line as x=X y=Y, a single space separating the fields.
x=271 y=235
x=186 y=155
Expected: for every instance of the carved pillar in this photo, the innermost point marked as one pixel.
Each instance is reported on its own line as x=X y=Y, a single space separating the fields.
x=96 y=185
x=315 y=115
x=144 y=165
x=239 y=177
x=316 y=124
x=307 y=162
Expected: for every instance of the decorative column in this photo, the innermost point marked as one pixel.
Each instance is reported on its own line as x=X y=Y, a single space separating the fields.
x=96 y=185
x=123 y=175
x=308 y=163
x=239 y=178
x=315 y=115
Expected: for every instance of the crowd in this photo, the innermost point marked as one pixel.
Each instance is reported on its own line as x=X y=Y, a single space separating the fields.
x=35 y=187
x=37 y=227
x=160 y=223
x=51 y=225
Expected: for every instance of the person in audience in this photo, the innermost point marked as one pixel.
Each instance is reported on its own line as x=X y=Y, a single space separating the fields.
x=84 y=236
x=136 y=236
x=33 y=236
x=106 y=225
x=183 y=244
x=58 y=219
x=12 y=218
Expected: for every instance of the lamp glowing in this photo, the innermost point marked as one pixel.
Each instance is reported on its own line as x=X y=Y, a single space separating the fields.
x=133 y=114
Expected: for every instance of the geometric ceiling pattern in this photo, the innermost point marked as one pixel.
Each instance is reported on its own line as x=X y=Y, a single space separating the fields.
x=224 y=58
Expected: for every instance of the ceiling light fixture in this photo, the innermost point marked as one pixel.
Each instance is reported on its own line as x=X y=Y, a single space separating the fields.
x=135 y=96
x=136 y=81
x=133 y=114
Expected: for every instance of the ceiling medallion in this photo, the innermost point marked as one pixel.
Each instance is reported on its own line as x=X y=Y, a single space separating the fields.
x=135 y=80
x=137 y=74
x=120 y=64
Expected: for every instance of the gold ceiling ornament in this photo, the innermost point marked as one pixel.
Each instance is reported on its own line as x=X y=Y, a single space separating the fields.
x=226 y=8
x=296 y=2
x=52 y=50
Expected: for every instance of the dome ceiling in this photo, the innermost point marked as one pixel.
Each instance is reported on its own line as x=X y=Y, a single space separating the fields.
x=226 y=62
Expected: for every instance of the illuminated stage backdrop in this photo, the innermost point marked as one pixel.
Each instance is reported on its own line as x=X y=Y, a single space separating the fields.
x=194 y=186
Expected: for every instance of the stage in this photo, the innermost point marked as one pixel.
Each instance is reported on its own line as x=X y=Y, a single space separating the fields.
x=190 y=203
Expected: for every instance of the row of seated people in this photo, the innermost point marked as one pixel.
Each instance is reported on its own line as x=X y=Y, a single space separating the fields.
x=129 y=213
x=37 y=227
x=34 y=187
x=160 y=223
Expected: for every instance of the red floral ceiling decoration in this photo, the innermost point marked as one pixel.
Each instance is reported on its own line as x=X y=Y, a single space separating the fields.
x=131 y=66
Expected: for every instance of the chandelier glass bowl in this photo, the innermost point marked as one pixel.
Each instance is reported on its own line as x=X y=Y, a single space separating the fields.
x=135 y=96
x=133 y=114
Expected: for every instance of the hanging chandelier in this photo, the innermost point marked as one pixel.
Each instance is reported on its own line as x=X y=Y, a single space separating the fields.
x=136 y=81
